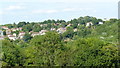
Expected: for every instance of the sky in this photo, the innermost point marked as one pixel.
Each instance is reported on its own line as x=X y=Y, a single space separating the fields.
x=39 y=10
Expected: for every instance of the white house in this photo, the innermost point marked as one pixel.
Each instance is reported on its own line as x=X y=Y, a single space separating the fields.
x=34 y=34
x=1 y=33
x=89 y=24
x=69 y=25
x=21 y=33
x=75 y=30
x=21 y=36
x=42 y=32
x=100 y=23
x=14 y=34
x=14 y=29
x=61 y=30
x=12 y=37
x=8 y=31
x=52 y=29
x=78 y=24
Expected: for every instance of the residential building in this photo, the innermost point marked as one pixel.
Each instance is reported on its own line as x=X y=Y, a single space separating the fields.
x=5 y=27
x=21 y=33
x=12 y=37
x=75 y=30
x=89 y=24
x=8 y=31
x=52 y=29
x=100 y=23
x=1 y=33
x=42 y=32
x=61 y=30
x=34 y=34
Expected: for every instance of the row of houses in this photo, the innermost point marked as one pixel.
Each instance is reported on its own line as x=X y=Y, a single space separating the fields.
x=9 y=31
x=22 y=34
x=42 y=32
x=14 y=36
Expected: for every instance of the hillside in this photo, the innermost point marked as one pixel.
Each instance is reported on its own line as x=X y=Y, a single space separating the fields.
x=86 y=41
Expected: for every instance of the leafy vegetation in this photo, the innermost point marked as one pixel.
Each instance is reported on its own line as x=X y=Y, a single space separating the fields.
x=95 y=45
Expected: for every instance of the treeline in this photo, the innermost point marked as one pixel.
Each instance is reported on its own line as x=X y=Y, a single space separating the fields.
x=51 y=50
x=29 y=26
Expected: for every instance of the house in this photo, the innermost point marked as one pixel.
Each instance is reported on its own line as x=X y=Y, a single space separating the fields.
x=1 y=33
x=78 y=24
x=75 y=30
x=20 y=28
x=12 y=37
x=89 y=24
x=8 y=35
x=61 y=30
x=100 y=23
x=52 y=29
x=5 y=27
x=21 y=33
x=8 y=31
x=21 y=36
x=14 y=29
x=14 y=34
x=69 y=25
x=34 y=34
x=41 y=25
x=42 y=32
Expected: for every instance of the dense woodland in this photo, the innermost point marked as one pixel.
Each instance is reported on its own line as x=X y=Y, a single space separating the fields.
x=95 y=45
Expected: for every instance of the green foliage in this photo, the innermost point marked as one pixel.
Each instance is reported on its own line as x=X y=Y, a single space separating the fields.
x=89 y=52
x=88 y=46
x=27 y=37
x=16 y=32
x=10 y=54
x=20 y=24
x=36 y=28
x=27 y=28
x=69 y=33
x=9 y=25
x=4 y=32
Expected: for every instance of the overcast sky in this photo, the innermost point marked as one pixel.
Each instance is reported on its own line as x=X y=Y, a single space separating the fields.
x=39 y=10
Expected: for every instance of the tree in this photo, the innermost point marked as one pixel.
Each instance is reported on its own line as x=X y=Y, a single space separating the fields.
x=37 y=28
x=27 y=37
x=10 y=55
x=92 y=52
x=9 y=26
x=46 y=48
x=4 y=32
x=27 y=28
x=21 y=24
x=69 y=33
